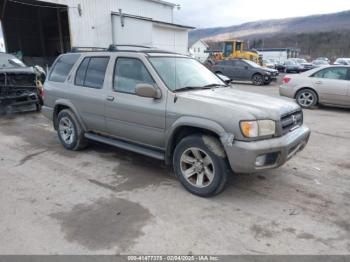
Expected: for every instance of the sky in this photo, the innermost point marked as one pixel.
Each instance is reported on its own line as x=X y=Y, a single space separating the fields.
x=213 y=13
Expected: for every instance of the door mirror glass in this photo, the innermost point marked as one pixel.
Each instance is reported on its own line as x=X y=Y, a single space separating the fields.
x=147 y=90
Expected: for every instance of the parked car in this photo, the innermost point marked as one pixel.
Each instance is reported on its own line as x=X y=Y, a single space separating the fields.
x=292 y=66
x=20 y=85
x=305 y=65
x=280 y=66
x=325 y=85
x=245 y=70
x=342 y=61
x=324 y=59
x=318 y=63
x=170 y=107
x=269 y=64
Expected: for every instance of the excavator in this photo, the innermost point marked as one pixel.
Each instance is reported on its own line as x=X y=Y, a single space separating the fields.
x=235 y=49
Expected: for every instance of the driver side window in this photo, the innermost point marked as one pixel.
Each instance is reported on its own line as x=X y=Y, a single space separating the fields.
x=128 y=73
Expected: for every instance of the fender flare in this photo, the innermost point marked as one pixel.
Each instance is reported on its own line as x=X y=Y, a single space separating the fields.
x=195 y=122
x=67 y=103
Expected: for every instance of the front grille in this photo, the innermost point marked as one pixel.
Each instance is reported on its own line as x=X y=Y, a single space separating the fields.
x=291 y=121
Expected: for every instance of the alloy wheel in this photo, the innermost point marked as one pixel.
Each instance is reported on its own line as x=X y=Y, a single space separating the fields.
x=66 y=130
x=197 y=167
x=306 y=99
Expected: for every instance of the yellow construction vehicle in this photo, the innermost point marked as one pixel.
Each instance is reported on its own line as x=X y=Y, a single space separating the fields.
x=235 y=49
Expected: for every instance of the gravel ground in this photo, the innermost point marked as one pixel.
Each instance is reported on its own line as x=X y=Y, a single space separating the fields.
x=109 y=201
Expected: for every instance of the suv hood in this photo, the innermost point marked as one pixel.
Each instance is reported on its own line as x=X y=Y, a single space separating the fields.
x=254 y=106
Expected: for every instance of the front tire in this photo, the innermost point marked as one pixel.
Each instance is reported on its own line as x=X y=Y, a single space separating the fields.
x=307 y=98
x=258 y=80
x=70 y=131
x=200 y=163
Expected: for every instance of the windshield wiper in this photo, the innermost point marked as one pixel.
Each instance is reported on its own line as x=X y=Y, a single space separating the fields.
x=186 y=88
x=216 y=85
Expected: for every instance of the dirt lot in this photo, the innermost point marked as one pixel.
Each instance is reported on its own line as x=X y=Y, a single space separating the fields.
x=109 y=201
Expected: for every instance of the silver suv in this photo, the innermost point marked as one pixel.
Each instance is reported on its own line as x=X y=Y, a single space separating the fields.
x=170 y=107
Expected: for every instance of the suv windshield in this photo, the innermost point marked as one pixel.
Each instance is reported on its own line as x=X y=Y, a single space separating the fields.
x=10 y=61
x=182 y=72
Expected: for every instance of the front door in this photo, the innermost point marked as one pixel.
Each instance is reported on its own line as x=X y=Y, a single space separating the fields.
x=332 y=85
x=130 y=117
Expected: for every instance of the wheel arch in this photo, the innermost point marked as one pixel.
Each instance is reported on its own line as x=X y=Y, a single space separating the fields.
x=62 y=105
x=306 y=88
x=187 y=127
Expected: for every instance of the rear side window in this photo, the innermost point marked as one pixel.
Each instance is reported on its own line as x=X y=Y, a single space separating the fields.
x=62 y=67
x=338 y=73
x=91 y=72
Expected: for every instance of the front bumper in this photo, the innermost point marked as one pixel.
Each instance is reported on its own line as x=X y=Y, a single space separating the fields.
x=242 y=156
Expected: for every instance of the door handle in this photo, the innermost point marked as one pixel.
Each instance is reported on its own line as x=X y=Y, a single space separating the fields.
x=110 y=98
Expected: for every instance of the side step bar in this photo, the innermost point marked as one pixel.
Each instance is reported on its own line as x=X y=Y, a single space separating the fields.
x=157 y=154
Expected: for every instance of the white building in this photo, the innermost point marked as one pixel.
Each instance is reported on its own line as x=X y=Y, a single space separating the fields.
x=49 y=27
x=198 y=51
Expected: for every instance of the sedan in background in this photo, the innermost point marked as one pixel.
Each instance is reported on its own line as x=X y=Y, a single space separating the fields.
x=326 y=85
x=342 y=61
x=291 y=66
x=245 y=70
x=304 y=64
x=319 y=63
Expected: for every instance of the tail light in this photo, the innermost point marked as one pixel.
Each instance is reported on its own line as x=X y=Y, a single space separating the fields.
x=286 y=80
x=42 y=93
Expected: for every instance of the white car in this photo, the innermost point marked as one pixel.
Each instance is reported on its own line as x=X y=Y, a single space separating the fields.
x=324 y=85
x=342 y=61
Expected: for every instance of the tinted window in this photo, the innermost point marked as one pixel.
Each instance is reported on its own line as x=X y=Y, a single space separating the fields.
x=91 y=72
x=128 y=73
x=95 y=73
x=81 y=73
x=339 y=73
x=62 y=67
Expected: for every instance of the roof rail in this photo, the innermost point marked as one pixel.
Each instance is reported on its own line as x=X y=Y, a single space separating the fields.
x=115 y=47
x=77 y=49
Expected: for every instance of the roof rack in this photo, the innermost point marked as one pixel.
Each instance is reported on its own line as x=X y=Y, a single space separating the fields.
x=116 y=47
x=121 y=48
x=87 y=49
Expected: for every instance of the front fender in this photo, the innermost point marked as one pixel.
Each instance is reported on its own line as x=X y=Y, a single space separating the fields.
x=202 y=123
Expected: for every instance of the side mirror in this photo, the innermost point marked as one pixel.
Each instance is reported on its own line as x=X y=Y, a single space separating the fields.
x=246 y=67
x=147 y=90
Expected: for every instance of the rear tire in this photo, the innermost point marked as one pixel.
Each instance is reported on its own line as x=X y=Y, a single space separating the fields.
x=307 y=98
x=258 y=80
x=70 y=131
x=201 y=165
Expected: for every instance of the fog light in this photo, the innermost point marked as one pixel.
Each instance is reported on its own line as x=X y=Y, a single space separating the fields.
x=260 y=161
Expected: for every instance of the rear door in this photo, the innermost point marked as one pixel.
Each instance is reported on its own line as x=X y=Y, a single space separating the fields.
x=87 y=92
x=332 y=85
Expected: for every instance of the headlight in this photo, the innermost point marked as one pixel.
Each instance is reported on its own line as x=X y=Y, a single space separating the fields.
x=259 y=128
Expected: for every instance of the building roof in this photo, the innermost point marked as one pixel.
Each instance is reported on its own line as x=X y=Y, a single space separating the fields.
x=201 y=41
x=164 y=2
